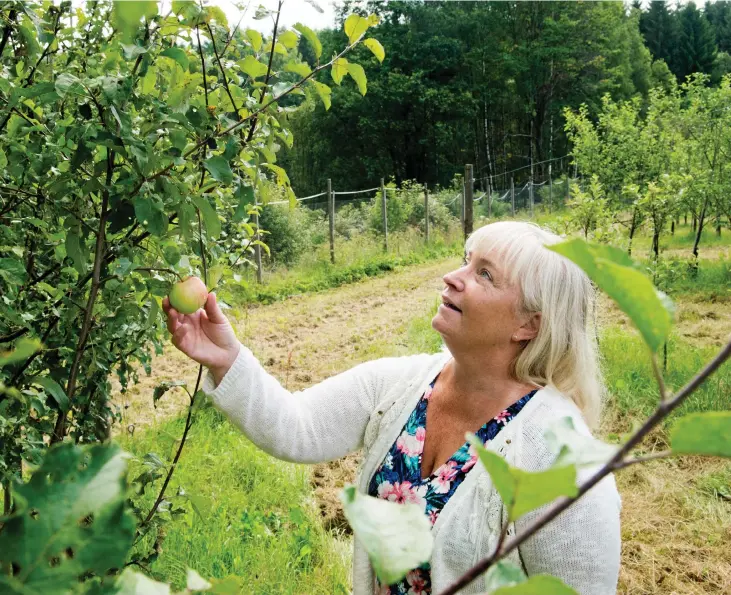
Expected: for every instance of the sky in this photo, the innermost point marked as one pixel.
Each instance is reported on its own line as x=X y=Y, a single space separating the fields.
x=293 y=11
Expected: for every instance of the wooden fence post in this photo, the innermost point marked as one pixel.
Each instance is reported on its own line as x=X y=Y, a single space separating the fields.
x=512 y=196
x=426 y=212
x=489 y=198
x=384 y=214
x=461 y=217
x=331 y=213
x=550 y=189
x=468 y=200
x=257 y=247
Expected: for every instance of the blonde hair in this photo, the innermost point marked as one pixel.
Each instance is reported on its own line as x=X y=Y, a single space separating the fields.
x=564 y=352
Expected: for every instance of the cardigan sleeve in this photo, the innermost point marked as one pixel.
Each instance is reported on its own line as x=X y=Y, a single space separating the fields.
x=321 y=423
x=582 y=545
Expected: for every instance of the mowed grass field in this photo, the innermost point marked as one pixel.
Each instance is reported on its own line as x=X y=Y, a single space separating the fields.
x=280 y=525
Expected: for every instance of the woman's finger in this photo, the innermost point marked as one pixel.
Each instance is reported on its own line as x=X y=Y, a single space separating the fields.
x=213 y=310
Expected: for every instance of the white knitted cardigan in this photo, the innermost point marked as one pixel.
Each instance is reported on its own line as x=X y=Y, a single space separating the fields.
x=367 y=406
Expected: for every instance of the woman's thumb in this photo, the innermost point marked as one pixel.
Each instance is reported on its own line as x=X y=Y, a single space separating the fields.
x=213 y=310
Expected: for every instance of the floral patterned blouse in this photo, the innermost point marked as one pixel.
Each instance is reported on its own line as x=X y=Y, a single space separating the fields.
x=398 y=479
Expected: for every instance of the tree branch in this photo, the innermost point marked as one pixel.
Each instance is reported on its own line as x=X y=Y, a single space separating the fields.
x=269 y=71
x=6 y=31
x=617 y=462
x=99 y=251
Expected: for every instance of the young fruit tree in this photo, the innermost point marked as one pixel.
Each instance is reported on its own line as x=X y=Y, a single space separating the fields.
x=136 y=149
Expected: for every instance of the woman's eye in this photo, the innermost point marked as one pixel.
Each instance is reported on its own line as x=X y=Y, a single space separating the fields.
x=485 y=273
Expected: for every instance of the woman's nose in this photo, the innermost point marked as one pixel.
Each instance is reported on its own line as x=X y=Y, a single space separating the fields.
x=454 y=279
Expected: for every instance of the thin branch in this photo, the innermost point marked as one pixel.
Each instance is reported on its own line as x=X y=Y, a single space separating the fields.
x=171 y=469
x=222 y=69
x=7 y=30
x=653 y=456
x=59 y=430
x=269 y=71
x=616 y=462
x=203 y=63
x=157 y=269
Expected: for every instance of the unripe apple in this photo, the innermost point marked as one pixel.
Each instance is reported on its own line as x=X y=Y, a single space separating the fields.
x=188 y=295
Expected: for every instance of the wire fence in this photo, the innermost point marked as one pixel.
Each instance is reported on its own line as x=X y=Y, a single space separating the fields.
x=496 y=201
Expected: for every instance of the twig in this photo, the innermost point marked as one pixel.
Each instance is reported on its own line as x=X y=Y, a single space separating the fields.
x=159 y=270
x=616 y=462
x=203 y=63
x=269 y=71
x=659 y=378
x=653 y=456
x=7 y=30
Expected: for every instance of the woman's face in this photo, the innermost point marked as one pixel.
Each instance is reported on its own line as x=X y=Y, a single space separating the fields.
x=480 y=308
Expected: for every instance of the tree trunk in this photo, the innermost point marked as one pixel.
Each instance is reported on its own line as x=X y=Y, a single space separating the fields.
x=701 y=219
x=632 y=229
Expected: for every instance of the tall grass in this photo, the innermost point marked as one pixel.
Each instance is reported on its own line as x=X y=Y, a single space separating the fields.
x=258 y=520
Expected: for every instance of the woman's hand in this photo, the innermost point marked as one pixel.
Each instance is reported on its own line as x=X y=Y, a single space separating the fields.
x=205 y=336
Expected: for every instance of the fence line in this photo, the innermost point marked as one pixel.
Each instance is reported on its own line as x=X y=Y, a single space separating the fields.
x=490 y=176
x=466 y=209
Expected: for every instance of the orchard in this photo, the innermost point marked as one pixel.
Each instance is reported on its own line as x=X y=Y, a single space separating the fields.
x=141 y=147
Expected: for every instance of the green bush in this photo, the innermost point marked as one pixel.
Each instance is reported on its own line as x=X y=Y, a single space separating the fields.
x=290 y=232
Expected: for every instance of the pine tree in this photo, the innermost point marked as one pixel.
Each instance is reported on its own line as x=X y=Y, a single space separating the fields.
x=661 y=31
x=697 y=43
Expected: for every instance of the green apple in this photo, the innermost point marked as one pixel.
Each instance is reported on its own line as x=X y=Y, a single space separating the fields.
x=188 y=295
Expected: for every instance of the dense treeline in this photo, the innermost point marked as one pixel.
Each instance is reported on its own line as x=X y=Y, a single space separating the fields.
x=487 y=82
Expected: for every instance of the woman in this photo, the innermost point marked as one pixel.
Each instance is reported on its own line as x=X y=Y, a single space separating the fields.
x=518 y=356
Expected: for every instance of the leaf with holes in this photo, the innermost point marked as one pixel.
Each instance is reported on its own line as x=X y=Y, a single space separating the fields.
x=523 y=491
x=397 y=537
x=706 y=433
x=503 y=574
x=70 y=520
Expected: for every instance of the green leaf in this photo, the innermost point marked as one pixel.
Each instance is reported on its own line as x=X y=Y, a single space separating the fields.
x=70 y=519
x=171 y=254
x=633 y=292
x=311 y=38
x=255 y=38
x=706 y=433
x=358 y=75
x=76 y=251
x=355 y=26
x=64 y=82
x=539 y=584
x=324 y=92
x=164 y=387
x=126 y=15
x=54 y=389
x=289 y=39
x=13 y=271
x=3 y=159
x=375 y=46
x=24 y=348
x=245 y=196
x=150 y=214
x=219 y=169
x=523 y=491
x=131 y=51
x=397 y=537
x=252 y=67
x=210 y=218
x=300 y=68
x=178 y=55
x=339 y=70
x=149 y=81
x=503 y=574
x=575 y=448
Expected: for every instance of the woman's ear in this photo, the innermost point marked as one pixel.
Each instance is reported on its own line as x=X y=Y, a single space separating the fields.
x=530 y=329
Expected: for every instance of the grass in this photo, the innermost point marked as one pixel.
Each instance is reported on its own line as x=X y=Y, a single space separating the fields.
x=259 y=518
x=356 y=259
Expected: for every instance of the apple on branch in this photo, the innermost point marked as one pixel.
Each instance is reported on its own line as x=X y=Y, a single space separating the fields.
x=188 y=295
